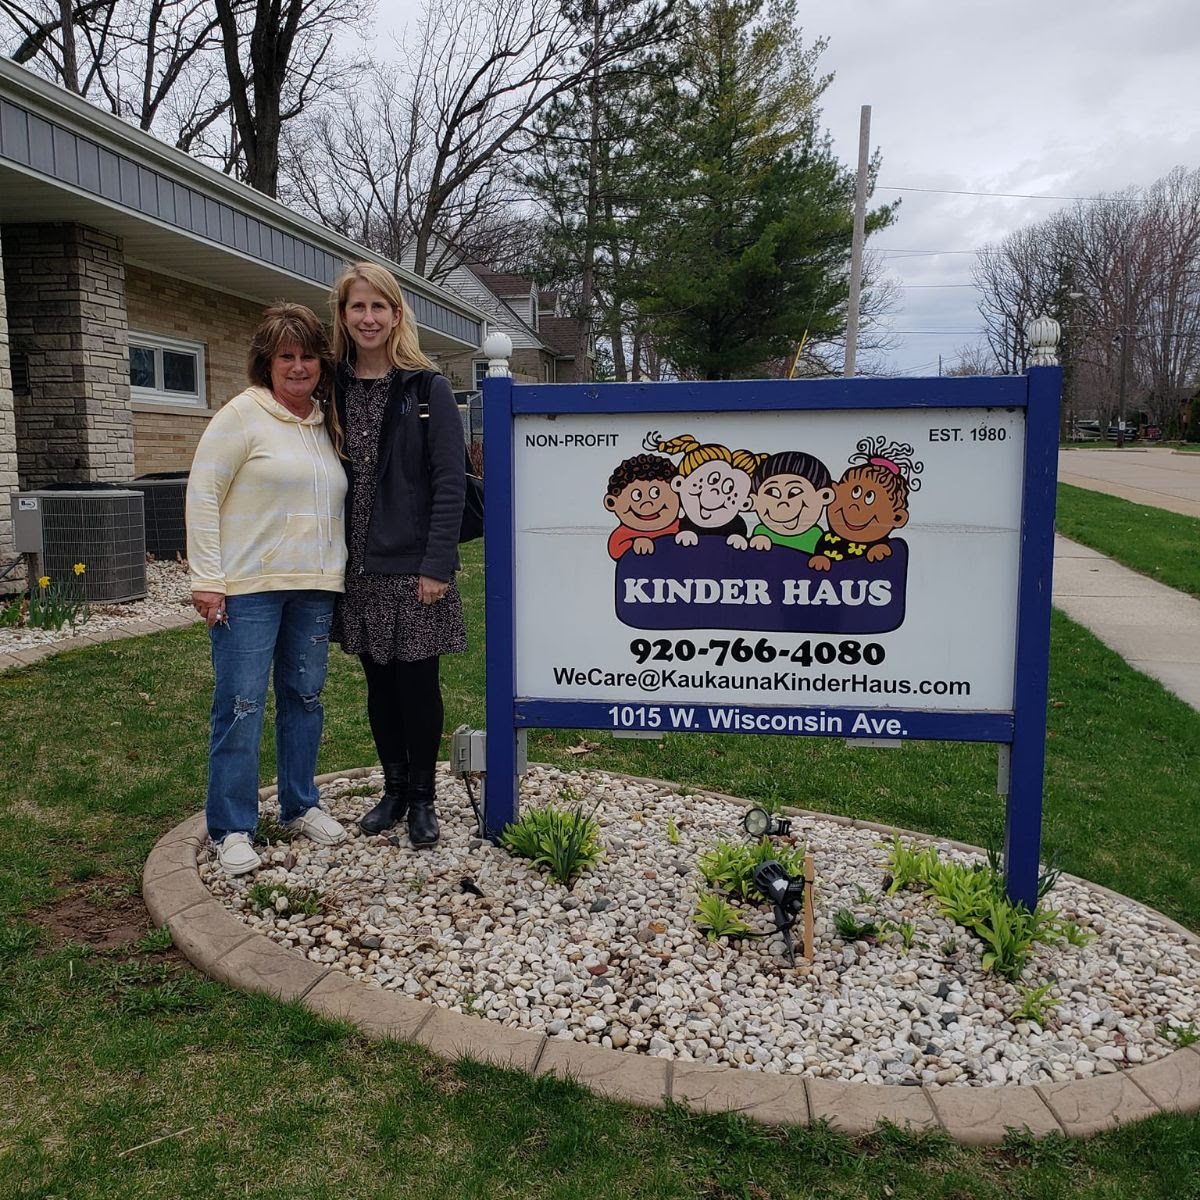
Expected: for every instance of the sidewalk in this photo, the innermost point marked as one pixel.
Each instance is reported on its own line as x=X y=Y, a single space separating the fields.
x=1153 y=627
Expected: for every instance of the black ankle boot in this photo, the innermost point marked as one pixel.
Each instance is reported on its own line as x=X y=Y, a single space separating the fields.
x=422 y=820
x=393 y=804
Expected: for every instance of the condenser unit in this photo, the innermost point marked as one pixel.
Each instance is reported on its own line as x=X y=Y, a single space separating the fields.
x=164 y=499
x=103 y=529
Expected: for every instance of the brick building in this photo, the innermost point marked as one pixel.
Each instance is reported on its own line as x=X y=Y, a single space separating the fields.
x=131 y=277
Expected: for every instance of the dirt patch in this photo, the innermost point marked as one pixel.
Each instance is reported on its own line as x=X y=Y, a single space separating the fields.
x=99 y=913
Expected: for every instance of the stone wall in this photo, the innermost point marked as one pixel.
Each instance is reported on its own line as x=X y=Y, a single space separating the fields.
x=8 y=444
x=66 y=316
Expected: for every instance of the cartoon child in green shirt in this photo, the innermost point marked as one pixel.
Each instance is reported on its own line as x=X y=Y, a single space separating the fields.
x=790 y=491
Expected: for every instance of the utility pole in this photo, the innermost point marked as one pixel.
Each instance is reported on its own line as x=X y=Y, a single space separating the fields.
x=1122 y=381
x=856 y=245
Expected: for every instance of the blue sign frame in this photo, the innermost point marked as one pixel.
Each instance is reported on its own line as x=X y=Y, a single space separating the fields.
x=1036 y=393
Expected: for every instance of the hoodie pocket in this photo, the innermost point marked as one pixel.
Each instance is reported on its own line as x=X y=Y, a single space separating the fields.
x=298 y=550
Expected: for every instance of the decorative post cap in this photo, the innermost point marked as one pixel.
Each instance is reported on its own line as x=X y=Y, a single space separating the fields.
x=498 y=347
x=1043 y=336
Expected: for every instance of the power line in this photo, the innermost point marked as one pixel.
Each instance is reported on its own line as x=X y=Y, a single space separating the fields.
x=897 y=250
x=936 y=285
x=1000 y=195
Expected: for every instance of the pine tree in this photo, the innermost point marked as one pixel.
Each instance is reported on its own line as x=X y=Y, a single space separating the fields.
x=748 y=243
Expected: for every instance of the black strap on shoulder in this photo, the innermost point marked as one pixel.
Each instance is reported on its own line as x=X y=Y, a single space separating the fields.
x=424 y=391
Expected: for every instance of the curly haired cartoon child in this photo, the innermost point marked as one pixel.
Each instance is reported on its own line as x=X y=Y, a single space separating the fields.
x=791 y=489
x=640 y=496
x=714 y=488
x=869 y=503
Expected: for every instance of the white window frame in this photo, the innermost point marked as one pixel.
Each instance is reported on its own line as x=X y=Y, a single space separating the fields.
x=477 y=378
x=159 y=395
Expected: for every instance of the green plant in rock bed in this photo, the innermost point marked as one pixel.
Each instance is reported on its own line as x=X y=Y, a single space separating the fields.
x=672 y=831
x=1181 y=1035
x=1034 y=1006
x=1009 y=931
x=12 y=612
x=265 y=894
x=850 y=929
x=1075 y=934
x=718 y=918
x=730 y=866
x=270 y=832
x=564 y=841
x=909 y=867
x=54 y=603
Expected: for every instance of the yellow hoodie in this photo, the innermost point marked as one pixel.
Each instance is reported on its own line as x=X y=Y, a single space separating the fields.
x=264 y=501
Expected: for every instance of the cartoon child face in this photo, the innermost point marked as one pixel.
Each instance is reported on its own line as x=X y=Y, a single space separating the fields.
x=861 y=509
x=789 y=504
x=713 y=494
x=645 y=505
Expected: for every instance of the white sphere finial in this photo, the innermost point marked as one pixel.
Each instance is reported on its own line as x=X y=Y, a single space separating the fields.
x=498 y=347
x=1043 y=341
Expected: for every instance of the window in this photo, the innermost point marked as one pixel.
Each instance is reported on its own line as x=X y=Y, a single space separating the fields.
x=166 y=370
x=481 y=365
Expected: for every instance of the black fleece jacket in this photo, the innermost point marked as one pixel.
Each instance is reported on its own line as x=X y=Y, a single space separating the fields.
x=418 y=506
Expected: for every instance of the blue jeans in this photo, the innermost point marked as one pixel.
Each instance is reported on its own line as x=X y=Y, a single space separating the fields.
x=290 y=630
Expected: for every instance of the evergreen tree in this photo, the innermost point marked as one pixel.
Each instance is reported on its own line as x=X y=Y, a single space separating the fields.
x=748 y=240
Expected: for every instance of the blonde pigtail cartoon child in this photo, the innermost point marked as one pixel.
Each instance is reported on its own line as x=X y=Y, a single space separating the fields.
x=870 y=502
x=714 y=485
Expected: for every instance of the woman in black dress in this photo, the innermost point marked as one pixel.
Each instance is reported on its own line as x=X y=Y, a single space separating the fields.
x=401 y=610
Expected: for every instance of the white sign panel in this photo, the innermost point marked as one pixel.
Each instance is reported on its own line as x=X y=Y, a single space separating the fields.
x=837 y=558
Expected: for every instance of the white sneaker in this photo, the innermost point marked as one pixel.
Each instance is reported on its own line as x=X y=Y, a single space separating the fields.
x=236 y=855
x=318 y=826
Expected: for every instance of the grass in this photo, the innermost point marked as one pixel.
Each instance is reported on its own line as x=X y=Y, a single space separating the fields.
x=102 y=1053
x=1161 y=544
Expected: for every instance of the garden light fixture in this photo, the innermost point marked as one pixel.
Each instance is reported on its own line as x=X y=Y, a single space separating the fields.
x=759 y=823
x=786 y=896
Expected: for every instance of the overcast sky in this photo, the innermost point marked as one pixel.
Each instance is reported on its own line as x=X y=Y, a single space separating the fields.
x=1042 y=97
x=1054 y=97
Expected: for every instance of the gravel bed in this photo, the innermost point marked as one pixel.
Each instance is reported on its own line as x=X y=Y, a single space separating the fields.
x=618 y=961
x=168 y=593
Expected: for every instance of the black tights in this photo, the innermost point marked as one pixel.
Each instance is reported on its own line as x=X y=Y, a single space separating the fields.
x=404 y=707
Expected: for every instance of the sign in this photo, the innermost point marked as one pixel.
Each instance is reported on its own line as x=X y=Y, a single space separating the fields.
x=796 y=559
x=853 y=558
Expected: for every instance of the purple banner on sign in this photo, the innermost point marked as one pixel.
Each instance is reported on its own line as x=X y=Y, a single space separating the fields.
x=712 y=586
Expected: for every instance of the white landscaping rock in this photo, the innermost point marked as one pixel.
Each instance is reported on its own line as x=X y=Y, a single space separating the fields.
x=617 y=960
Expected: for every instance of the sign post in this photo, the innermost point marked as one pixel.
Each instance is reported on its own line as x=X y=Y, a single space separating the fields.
x=857 y=558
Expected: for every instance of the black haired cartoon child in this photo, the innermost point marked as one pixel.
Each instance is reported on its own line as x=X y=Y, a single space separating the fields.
x=714 y=488
x=640 y=496
x=790 y=490
x=870 y=502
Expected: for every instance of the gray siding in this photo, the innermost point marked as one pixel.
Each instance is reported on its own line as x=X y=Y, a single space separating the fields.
x=58 y=153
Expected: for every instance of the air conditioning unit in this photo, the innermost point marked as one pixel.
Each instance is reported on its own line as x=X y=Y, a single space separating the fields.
x=103 y=529
x=164 y=499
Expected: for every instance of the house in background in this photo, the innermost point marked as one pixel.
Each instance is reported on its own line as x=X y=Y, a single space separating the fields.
x=544 y=338
x=131 y=278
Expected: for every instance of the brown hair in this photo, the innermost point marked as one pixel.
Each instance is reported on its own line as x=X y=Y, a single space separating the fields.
x=403 y=349
x=285 y=323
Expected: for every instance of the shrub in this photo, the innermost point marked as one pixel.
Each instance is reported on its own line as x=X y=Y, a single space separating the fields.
x=730 y=866
x=718 y=918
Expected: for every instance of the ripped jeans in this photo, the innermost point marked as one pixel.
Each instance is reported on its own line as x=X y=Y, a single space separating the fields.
x=289 y=629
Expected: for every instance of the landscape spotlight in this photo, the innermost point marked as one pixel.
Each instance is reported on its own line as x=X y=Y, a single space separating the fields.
x=785 y=894
x=759 y=823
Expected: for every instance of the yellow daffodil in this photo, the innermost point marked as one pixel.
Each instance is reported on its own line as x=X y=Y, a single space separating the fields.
x=79 y=568
x=44 y=581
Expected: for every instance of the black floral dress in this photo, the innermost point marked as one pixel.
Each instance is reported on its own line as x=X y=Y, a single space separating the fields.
x=382 y=615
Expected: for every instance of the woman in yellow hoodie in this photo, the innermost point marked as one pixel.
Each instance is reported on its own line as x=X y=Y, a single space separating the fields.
x=267 y=554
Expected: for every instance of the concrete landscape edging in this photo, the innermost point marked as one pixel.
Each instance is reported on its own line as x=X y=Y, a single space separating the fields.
x=223 y=947
x=32 y=654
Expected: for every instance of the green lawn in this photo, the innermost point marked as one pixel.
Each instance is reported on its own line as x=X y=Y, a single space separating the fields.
x=104 y=1051
x=1158 y=543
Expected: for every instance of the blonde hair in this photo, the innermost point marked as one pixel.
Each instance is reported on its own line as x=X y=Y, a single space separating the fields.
x=403 y=349
x=285 y=323
x=696 y=454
